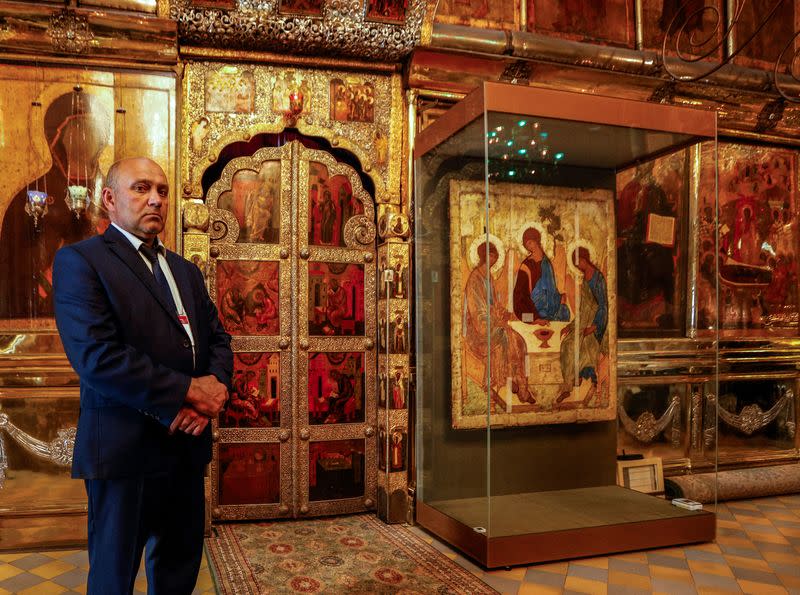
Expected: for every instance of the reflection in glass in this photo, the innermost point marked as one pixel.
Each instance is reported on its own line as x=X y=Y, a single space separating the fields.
x=254 y=199
x=756 y=415
x=247 y=297
x=335 y=299
x=75 y=135
x=249 y=473
x=331 y=204
x=650 y=254
x=335 y=388
x=255 y=398
x=652 y=419
x=758 y=238
x=335 y=469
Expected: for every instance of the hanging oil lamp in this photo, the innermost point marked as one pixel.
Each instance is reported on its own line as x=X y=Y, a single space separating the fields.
x=37 y=198
x=78 y=193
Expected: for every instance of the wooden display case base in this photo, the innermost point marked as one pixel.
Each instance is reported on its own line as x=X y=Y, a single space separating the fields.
x=562 y=524
x=58 y=530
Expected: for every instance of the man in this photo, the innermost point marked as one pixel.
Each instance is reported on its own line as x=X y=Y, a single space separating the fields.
x=536 y=297
x=155 y=365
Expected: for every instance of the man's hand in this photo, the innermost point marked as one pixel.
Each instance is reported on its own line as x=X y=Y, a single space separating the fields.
x=207 y=395
x=190 y=421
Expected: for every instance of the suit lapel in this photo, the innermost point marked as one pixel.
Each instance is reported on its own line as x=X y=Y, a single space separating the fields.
x=120 y=246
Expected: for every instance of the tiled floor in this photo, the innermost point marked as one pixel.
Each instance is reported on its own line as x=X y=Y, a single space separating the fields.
x=757 y=551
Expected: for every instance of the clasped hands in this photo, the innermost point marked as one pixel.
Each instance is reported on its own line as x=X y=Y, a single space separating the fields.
x=204 y=399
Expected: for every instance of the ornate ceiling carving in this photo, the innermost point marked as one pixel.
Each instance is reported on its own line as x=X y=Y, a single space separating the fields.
x=342 y=28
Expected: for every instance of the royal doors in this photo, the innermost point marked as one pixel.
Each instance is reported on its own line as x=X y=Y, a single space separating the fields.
x=292 y=271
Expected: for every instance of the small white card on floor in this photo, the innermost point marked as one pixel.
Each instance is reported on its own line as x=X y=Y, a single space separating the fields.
x=687 y=504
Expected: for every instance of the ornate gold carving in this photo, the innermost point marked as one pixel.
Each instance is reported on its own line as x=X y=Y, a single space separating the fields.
x=293 y=341
x=358 y=138
x=57 y=451
x=70 y=32
x=646 y=427
x=195 y=217
x=342 y=30
x=393 y=225
x=696 y=417
x=752 y=418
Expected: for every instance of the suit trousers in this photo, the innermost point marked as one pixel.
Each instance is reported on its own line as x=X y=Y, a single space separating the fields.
x=163 y=515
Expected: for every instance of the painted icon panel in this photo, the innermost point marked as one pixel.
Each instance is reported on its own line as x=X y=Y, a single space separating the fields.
x=758 y=240
x=230 y=89
x=254 y=199
x=331 y=205
x=651 y=211
x=255 y=400
x=609 y=21
x=336 y=469
x=532 y=300
x=335 y=388
x=247 y=296
x=249 y=473
x=335 y=299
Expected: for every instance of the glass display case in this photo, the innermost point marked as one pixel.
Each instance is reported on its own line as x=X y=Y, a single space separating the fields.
x=547 y=224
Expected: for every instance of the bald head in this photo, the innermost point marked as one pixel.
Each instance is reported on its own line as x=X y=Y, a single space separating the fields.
x=136 y=195
x=113 y=171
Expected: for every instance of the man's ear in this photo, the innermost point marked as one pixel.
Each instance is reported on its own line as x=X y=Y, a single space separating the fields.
x=107 y=196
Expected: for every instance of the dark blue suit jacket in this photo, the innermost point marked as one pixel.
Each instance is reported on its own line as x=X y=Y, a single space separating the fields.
x=133 y=357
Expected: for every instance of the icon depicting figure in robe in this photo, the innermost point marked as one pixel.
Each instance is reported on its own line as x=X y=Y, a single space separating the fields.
x=488 y=332
x=536 y=297
x=591 y=322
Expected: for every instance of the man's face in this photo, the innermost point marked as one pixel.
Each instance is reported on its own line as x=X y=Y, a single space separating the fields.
x=138 y=202
x=534 y=248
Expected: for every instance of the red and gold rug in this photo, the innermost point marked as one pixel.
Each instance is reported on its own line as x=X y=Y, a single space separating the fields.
x=354 y=554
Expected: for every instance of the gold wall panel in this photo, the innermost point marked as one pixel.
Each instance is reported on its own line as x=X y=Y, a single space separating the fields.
x=377 y=144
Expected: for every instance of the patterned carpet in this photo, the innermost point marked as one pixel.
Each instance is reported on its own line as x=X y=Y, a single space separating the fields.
x=355 y=554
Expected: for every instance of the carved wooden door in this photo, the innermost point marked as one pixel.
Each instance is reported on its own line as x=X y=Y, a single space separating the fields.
x=293 y=275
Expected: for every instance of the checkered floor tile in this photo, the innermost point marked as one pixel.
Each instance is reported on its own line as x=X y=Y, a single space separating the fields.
x=757 y=551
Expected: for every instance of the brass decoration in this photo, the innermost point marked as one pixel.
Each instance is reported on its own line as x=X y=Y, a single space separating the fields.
x=697 y=408
x=57 y=451
x=393 y=225
x=195 y=217
x=752 y=418
x=343 y=29
x=293 y=436
x=646 y=427
x=377 y=145
x=710 y=421
x=70 y=32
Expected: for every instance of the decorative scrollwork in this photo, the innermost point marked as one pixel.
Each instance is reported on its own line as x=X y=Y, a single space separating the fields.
x=790 y=419
x=57 y=451
x=697 y=408
x=684 y=29
x=69 y=32
x=195 y=217
x=752 y=418
x=360 y=230
x=224 y=226
x=342 y=29
x=647 y=427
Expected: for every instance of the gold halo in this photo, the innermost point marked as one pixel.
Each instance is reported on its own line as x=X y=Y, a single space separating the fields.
x=574 y=246
x=548 y=244
x=493 y=239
